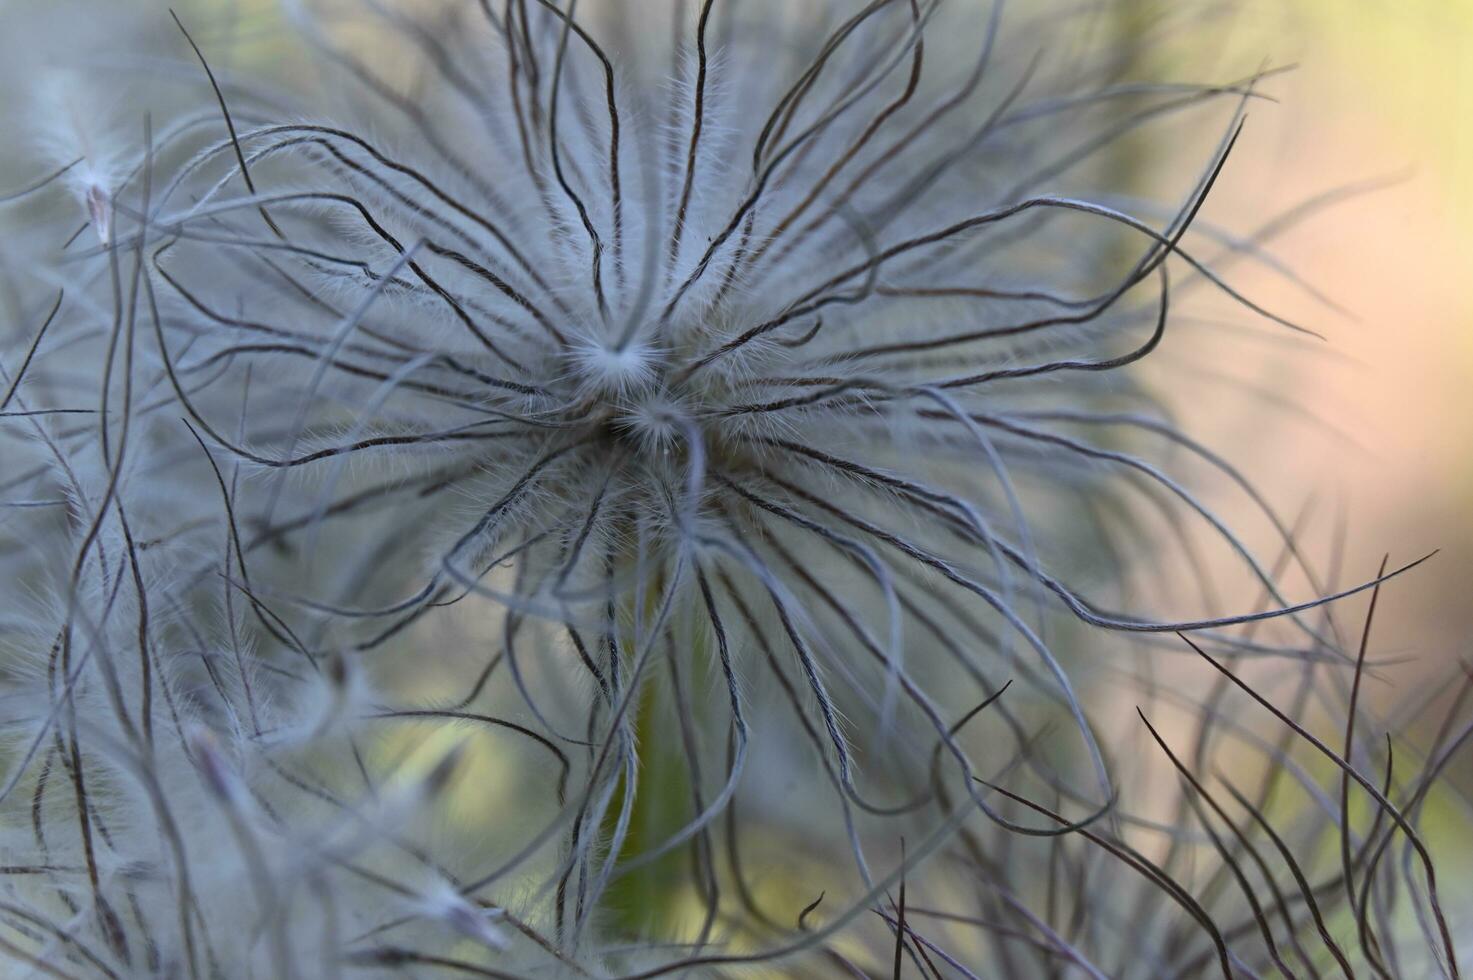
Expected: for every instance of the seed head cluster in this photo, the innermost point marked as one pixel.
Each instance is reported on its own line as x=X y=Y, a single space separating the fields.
x=545 y=488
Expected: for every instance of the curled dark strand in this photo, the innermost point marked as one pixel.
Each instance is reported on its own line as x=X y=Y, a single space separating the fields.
x=904 y=142
x=815 y=738
x=1163 y=245
x=25 y=363
x=895 y=105
x=698 y=120
x=1346 y=867
x=696 y=828
x=585 y=529
x=124 y=321
x=1283 y=531
x=1306 y=891
x=245 y=172
x=40 y=183
x=501 y=286
x=557 y=162
x=420 y=212
x=268 y=619
x=782 y=113
x=1242 y=843
x=1192 y=790
x=1121 y=128
x=145 y=642
x=1096 y=617
x=475 y=217
x=1156 y=476
x=564 y=766
x=1370 y=945
x=515 y=75
x=918 y=696
x=746 y=210
x=1144 y=867
x=273 y=533
x=405 y=255
x=962 y=722
x=938 y=631
x=459 y=399
x=83 y=952
x=416 y=115
x=952 y=574
x=1391 y=810
x=612 y=105
x=1413 y=803
x=792 y=343
x=1105 y=364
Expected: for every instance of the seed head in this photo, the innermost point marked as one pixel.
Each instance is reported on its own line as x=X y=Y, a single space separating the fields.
x=705 y=420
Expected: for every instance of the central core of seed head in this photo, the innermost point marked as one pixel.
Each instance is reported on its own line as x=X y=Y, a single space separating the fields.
x=632 y=392
x=615 y=371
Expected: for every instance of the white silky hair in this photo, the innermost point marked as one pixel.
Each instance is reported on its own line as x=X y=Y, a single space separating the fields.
x=431 y=468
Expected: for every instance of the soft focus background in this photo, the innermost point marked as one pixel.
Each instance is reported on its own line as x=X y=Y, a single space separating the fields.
x=1383 y=410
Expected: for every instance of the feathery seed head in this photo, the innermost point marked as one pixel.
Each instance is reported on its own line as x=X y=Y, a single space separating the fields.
x=617 y=429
